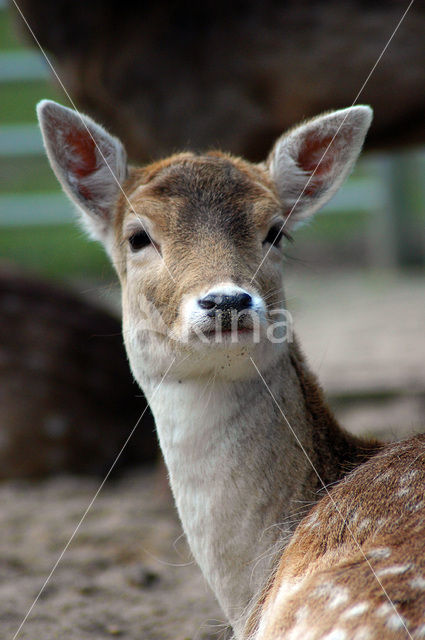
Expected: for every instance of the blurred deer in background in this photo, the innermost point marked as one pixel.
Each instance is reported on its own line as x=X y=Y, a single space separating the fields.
x=250 y=444
x=66 y=395
x=166 y=75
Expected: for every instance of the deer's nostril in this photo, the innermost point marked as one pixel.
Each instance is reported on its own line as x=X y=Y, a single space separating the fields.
x=225 y=302
x=209 y=302
x=244 y=301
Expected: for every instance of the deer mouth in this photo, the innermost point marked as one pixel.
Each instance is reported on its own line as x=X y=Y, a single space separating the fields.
x=229 y=331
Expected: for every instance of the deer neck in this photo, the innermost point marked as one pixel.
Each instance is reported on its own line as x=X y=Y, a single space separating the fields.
x=240 y=478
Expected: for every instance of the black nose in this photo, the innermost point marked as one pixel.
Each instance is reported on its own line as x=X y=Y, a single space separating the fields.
x=220 y=302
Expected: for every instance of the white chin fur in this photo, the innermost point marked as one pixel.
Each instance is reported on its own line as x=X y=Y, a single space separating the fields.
x=152 y=356
x=193 y=350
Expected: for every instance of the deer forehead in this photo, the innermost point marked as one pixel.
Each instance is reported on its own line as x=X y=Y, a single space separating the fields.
x=187 y=197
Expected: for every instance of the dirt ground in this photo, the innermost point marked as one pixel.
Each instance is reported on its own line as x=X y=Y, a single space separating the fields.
x=128 y=572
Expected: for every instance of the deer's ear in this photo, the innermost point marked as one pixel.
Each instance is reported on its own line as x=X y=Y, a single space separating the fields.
x=89 y=163
x=310 y=162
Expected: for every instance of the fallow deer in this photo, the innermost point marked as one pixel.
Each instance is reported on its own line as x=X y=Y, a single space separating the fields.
x=250 y=444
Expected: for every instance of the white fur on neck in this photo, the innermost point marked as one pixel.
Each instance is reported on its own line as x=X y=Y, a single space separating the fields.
x=221 y=442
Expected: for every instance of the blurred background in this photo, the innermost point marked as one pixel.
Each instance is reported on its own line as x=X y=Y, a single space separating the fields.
x=166 y=76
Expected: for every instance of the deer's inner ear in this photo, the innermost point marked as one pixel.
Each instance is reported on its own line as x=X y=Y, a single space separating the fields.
x=82 y=151
x=309 y=163
x=89 y=163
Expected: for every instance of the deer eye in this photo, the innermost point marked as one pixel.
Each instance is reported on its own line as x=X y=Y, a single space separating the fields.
x=274 y=235
x=139 y=240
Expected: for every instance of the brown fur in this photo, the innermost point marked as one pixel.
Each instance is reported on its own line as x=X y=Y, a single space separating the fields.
x=64 y=361
x=227 y=200
x=340 y=451
x=339 y=549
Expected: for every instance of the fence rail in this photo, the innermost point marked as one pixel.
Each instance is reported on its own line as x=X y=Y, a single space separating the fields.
x=20 y=140
x=22 y=66
x=34 y=209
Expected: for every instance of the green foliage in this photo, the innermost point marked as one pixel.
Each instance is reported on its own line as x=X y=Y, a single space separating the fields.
x=26 y=174
x=8 y=37
x=54 y=251
x=334 y=226
x=18 y=100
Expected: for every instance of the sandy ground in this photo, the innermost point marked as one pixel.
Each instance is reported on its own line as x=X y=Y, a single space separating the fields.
x=128 y=573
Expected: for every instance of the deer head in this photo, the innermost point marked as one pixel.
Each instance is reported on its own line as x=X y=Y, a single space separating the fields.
x=197 y=240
